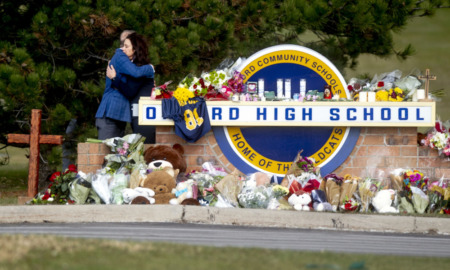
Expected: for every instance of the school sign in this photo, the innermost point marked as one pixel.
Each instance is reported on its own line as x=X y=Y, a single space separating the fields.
x=266 y=136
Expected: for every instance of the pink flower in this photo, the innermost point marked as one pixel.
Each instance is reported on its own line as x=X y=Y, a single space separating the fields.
x=122 y=151
x=125 y=145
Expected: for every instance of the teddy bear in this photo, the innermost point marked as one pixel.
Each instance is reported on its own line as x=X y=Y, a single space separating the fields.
x=300 y=202
x=383 y=200
x=319 y=200
x=161 y=156
x=161 y=182
x=184 y=190
x=130 y=194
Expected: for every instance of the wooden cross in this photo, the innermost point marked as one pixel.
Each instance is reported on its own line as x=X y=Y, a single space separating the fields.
x=34 y=139
x=427 y=77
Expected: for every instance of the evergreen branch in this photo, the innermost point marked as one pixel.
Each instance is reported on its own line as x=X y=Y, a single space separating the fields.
x=97 y=57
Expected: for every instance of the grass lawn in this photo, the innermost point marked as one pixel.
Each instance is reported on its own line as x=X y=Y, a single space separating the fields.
x=14 y=175
x=430 y=39
x=50 y=252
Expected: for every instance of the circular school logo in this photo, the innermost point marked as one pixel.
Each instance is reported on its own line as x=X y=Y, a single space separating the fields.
x=272 y=149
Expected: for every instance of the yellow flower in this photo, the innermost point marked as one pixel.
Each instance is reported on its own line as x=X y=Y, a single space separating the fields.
x=382 y=95
x=396 y=94
x=183 y=95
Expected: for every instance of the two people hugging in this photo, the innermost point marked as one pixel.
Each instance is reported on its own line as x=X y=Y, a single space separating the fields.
x=129 y=77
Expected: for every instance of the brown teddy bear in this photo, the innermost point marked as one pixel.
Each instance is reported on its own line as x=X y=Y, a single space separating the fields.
x=161 y=156
x=161 y=182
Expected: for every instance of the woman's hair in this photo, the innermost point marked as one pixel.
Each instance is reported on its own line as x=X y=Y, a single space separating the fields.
x=140 y=49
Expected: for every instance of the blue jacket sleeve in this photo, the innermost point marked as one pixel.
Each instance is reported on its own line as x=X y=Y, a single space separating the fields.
x=123 y=65
x=129 y=87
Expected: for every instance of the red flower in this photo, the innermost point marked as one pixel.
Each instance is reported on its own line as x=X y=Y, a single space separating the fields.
x=350 y=88
x=447 y=211
x=54 y=176
x=72 y=168
x=380 y=84
x=46 y=196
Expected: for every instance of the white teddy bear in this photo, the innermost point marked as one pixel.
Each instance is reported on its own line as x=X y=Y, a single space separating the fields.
x=300 y=202
x=184 y=190
x=383 y=200
x=130 y=193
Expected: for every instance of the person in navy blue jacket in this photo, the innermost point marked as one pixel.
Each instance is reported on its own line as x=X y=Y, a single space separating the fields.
x=135 y=88
x=114 y=112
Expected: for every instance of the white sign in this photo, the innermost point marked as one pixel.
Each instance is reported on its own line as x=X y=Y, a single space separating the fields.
x=227 y=113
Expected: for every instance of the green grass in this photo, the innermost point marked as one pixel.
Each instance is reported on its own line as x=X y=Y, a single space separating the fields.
x=13 y=176
x=50 y=252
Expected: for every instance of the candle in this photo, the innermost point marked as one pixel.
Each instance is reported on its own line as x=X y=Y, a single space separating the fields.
x=420 y=94
x=371 y=96
x=303 y=87
x=279 y=88
x=242 y=97
x=362 y=96
x=261 y=87
x=287 y=88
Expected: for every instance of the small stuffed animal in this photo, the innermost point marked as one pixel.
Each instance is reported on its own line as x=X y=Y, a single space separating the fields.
x=161 y=182
x=160 y=156
x=300 y=202
x=184 y=190
x=383 y=200
x=319 y=200
x=130 y=194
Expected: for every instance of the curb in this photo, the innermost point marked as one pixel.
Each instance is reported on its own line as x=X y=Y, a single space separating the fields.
x=224 y=216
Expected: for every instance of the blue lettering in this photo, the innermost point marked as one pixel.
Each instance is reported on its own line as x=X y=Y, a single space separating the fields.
x=349 y=117
x=261 y=113
x=403 y=114
x=368 y=112
x=150 y=113
x=418 y=115
x=334 y=112
x=290 y=114
x=234 y=113
x=309 y=114
x=275 y=114
x=216 y=112
x=385 y=114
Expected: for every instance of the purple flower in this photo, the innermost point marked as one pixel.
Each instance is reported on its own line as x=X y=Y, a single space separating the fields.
x=414 y=177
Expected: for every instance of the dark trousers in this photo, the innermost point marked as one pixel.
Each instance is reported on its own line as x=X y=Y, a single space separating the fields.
x=110 y=128
x=147 y=131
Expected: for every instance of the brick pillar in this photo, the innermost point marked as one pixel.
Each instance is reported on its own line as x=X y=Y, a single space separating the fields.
x=91 y=156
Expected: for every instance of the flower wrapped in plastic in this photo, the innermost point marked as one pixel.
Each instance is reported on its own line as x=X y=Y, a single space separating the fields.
x=439 y=195
x=119 y=182
x=258 y=197
x=331 y=184
x=366 y=191
x=81 y=191
x=100 y=183
x=229 y=187
x=413 y=178
x=348 y=190
x=126 y=151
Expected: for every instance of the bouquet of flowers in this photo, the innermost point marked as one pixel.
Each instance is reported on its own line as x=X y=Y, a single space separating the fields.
x=413 y=178
x=161 y=91
x=258 y=197
x=58 y=191
x=438 y=139
x=127 y=151
x=208 y=194
x=349 y=205
x=207 y=86
x=439 y=194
